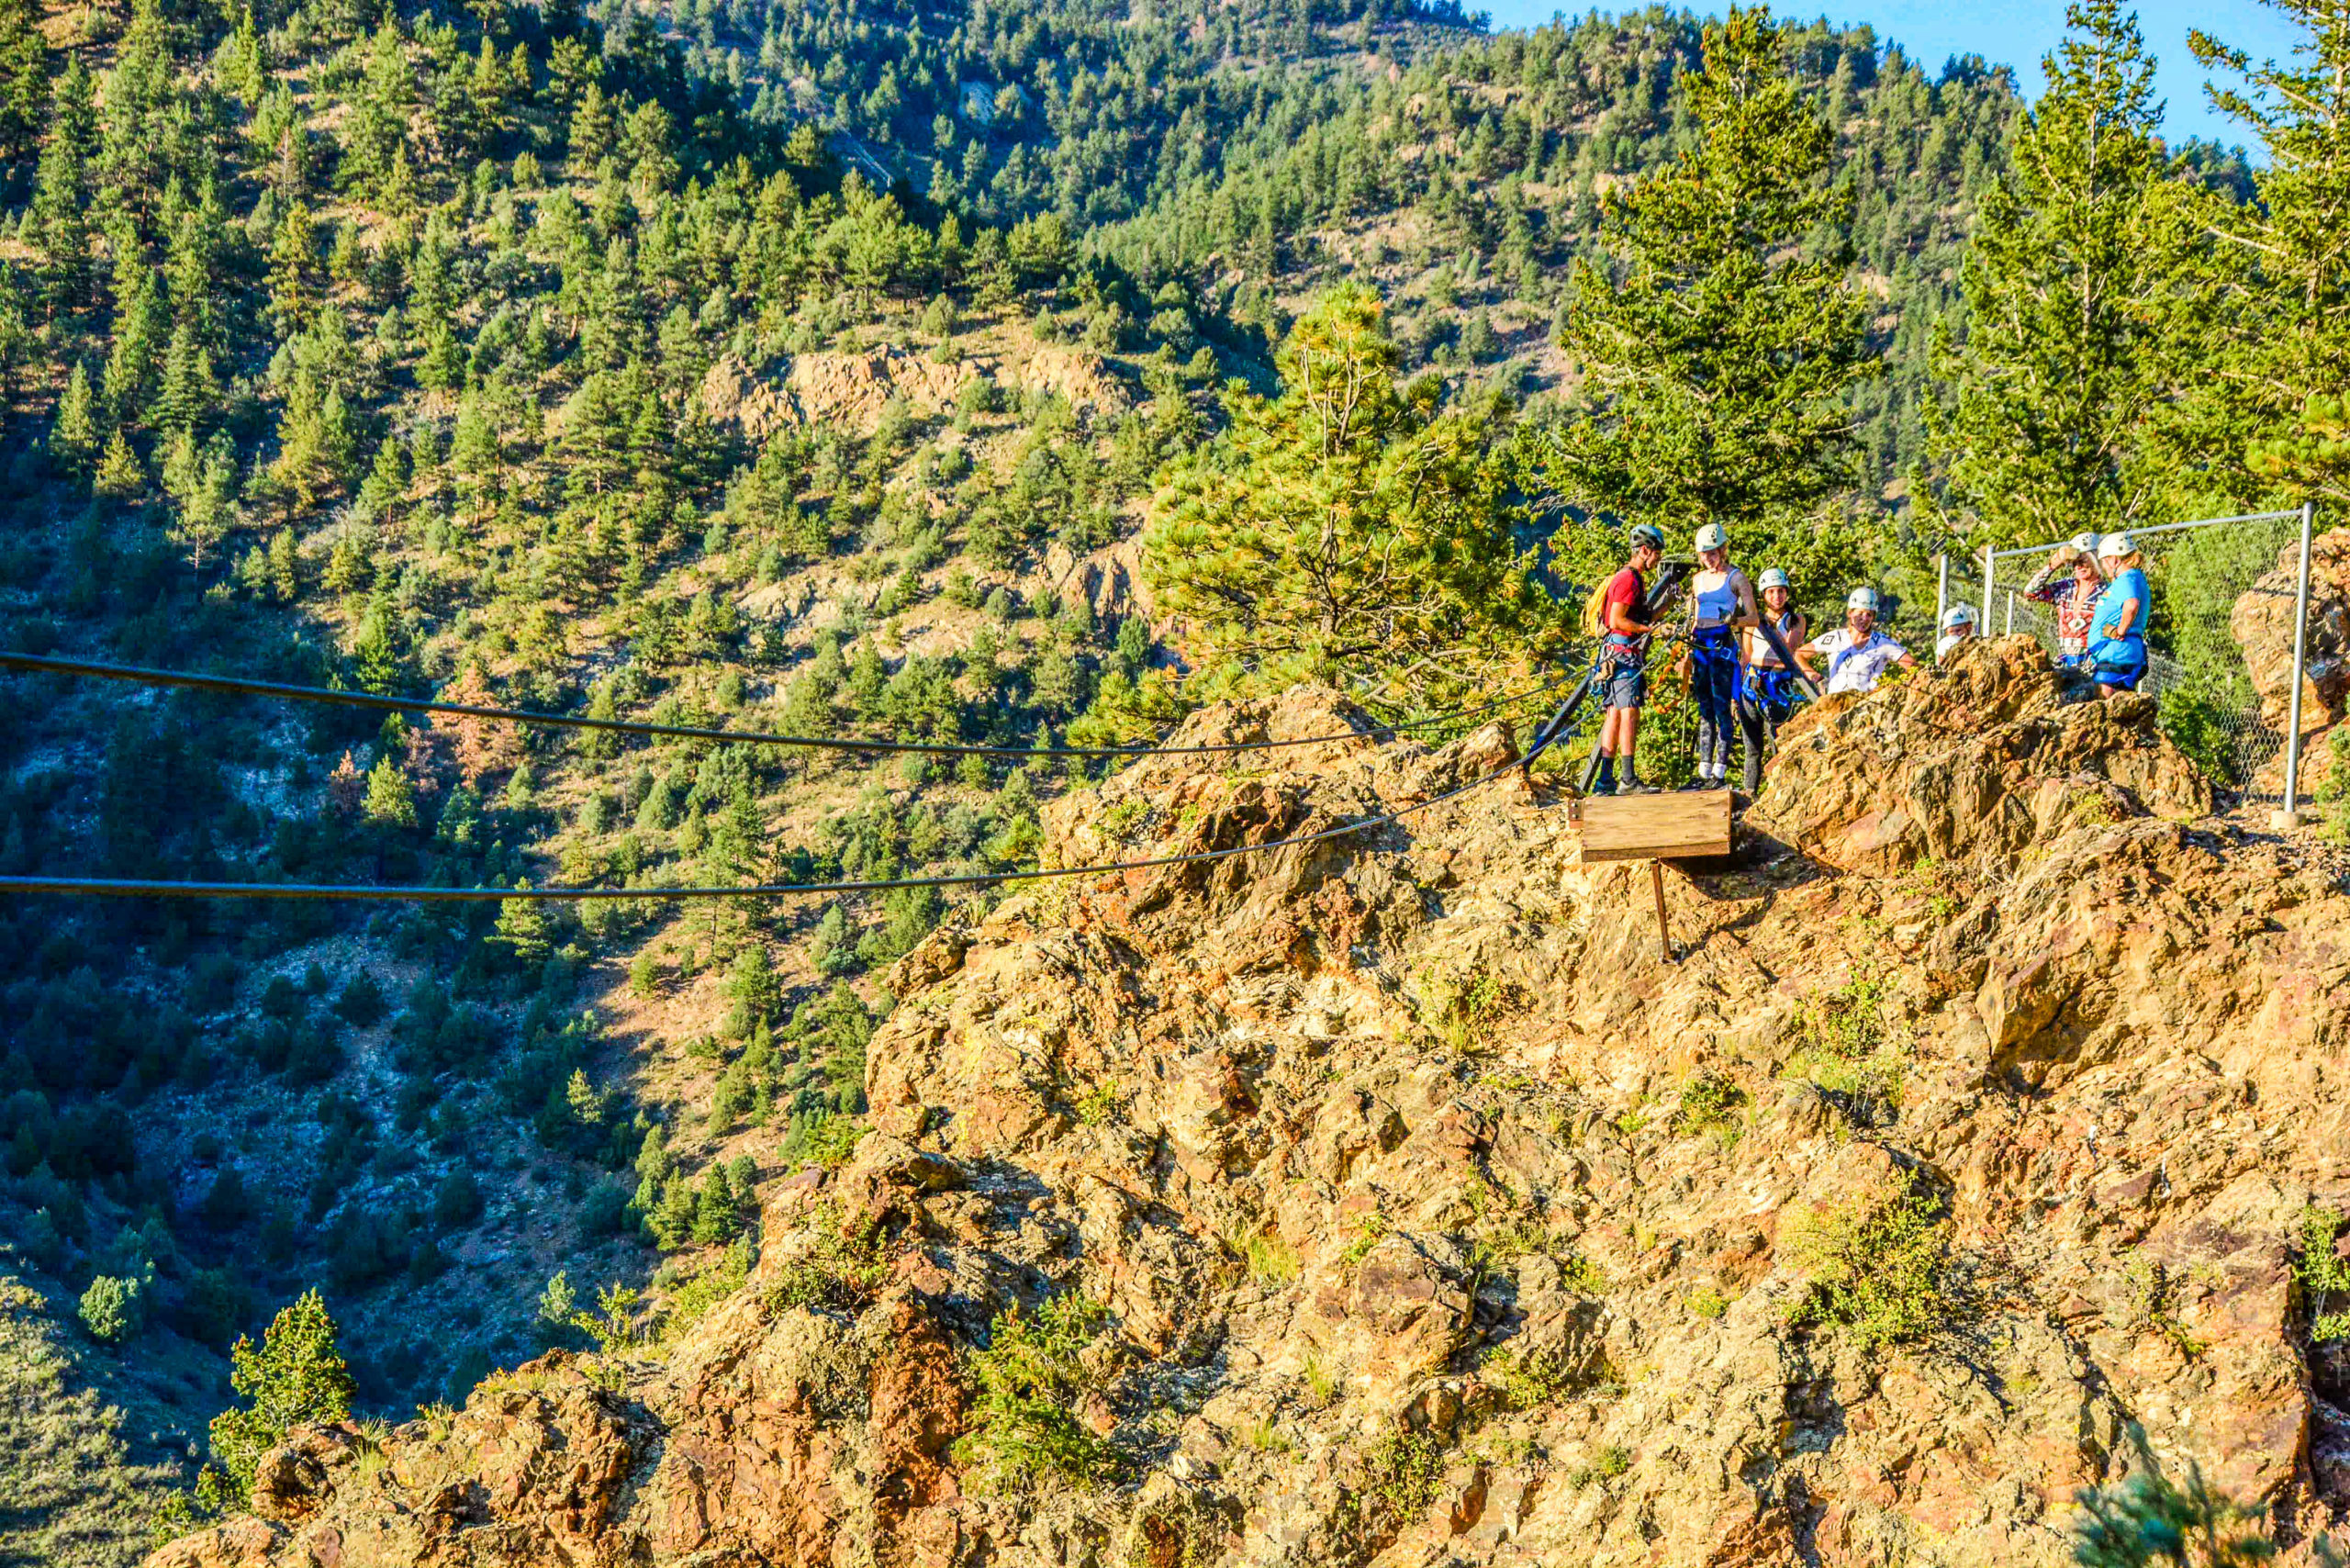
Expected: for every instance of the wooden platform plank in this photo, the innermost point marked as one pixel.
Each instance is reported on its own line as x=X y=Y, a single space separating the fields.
x=1676 y=825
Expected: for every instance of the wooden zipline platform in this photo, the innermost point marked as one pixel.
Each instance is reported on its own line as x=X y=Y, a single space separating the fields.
x=1676 y=826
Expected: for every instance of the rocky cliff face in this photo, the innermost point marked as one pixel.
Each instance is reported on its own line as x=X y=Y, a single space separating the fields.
x=1391 y=1200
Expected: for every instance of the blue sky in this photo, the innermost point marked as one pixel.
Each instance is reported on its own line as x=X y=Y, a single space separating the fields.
x=2017 y=32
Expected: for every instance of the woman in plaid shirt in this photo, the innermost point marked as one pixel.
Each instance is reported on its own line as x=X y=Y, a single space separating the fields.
x=2074 y=593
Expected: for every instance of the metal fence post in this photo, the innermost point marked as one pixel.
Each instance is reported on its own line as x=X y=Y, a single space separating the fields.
x=1988 y=556
x=2290 y=816
x=1941 y=589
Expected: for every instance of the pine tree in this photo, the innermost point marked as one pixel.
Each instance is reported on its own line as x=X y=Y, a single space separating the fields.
x=207 y=496
x=717 y=1216
x=2079 y=279
x=293 y=257
x=391 y=799
x=242 y=65
x=1715 y=369
x=57 y=224
x=377 y=659
x=120 y=475
x=24 y=78
x=479 y=747
x=141 y=326
x=2285 y=364
x=1350 y=522
x=76 y=438
x=522 y=928
x=191 y=391
x=296 y=1376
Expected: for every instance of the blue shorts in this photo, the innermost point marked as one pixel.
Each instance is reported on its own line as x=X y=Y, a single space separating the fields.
x=2119 y=662
x=1627 y=686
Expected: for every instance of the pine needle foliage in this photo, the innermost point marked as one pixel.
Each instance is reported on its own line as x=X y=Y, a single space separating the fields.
x=1027 y=1384
x=294 y=1377
x=1353 y=523
x=2085 y=280
x=1719 y=337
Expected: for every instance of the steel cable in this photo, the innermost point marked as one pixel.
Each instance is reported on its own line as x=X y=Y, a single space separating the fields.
x=37 y=664
x=132 y=888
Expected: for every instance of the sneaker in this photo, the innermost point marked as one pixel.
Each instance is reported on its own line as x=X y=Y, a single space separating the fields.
x=1630 y=785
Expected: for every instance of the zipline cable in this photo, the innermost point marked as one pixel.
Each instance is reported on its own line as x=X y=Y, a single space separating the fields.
x=37 y=664
x=126 y=887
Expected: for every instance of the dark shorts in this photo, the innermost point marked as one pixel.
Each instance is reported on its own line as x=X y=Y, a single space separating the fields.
x=2123 y=677
x=2119 y=662
x=1627 y=687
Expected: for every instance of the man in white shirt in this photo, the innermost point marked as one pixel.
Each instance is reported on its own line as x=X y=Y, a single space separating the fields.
x=1856 y=651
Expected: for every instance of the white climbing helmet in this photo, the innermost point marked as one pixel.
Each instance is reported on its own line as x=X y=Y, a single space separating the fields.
x=2113 y=546
x=1958 y=615
x=1861 y=599
x=2084 y=544
x=1713 y=536
x=1773 y=579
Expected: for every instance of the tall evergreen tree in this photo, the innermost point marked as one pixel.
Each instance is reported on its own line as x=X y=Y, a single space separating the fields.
x=2283 y=383
x=78 y=435
x=24 y=78
x=1351 y=522
x=2081 y=281
x=57 y=224
x=1717 y=353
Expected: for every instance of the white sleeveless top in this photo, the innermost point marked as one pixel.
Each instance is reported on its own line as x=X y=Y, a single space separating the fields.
x=1718 y=605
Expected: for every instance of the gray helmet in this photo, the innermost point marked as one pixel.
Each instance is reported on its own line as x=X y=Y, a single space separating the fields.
x=1647 y=534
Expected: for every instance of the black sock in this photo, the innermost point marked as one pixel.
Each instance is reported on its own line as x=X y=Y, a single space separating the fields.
x=1605 y=777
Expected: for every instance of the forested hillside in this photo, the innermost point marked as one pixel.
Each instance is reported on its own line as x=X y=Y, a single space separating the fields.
x=807 y=368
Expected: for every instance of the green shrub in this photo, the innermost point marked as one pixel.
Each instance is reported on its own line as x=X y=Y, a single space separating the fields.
x=1709 y=1103
x=296 y=1376
x=1401 y=1474
x=841 y=1268
x=2322 y=1276
x=692 y=1302
x=1527 y=1380
x=821 y=1137
x=2149 y=1519
x=1027 y=1383
x=1874 y=1265
x=1605 y=1466
x=1844 y=1047
x=362 y=1002
x=114 y=1308
x=1268 y=1258
x=1370 y=1231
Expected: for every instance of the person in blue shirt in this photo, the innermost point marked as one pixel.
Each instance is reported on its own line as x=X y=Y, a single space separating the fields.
x=2117 y=648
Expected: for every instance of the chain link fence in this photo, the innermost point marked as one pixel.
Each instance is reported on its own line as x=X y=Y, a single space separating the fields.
x=2221 y=635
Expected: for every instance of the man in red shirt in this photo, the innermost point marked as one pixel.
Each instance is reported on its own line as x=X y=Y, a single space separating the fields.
x=1623 y=656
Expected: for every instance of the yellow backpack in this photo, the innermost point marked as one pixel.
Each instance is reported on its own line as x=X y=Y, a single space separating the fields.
x=1595 y=610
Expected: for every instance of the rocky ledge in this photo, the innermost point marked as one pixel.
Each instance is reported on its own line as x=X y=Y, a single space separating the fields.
x=1390 y=1200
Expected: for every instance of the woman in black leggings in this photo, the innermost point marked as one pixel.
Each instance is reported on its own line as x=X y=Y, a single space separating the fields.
x=1721 y=603
x=1766 y=687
